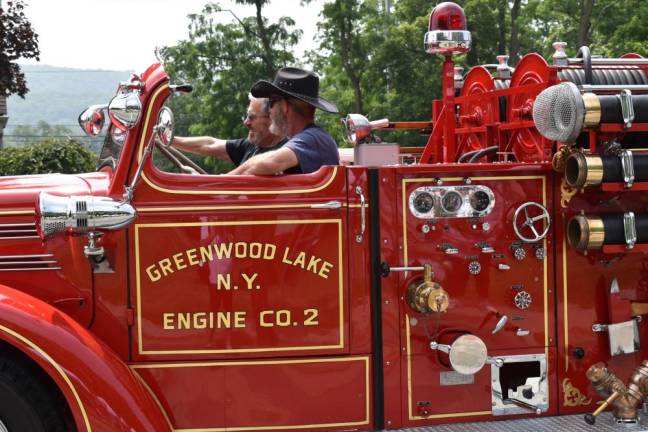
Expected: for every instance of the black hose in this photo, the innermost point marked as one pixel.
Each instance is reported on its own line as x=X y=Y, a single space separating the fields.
x=483 y=152
x=615 y=233
x=611 y=108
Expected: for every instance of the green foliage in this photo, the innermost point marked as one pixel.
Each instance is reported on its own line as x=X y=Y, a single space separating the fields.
x=222 y=61
x=18 y=41
x=47 y=156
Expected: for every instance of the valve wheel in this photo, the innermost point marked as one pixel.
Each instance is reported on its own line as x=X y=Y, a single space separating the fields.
x=530 y=222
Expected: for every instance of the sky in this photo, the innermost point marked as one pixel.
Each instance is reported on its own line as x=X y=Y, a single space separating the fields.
x=123 y=34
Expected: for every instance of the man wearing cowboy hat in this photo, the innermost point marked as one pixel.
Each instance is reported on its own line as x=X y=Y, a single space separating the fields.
x=292 y=98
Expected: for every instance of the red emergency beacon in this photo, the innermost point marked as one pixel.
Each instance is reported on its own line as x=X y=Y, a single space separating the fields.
x=447 y=32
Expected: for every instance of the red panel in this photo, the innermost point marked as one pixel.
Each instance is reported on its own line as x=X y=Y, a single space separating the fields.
x=328 y=393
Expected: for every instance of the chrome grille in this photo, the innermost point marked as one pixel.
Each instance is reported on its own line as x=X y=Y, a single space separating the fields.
x=14 y=231
x=28 y=262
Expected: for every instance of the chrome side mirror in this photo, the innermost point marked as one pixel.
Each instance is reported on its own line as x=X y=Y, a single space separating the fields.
x=165 y=127
x=125 y=109
x=92 y=119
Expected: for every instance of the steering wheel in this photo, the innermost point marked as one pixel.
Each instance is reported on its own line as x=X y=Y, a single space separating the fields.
x=534 y=214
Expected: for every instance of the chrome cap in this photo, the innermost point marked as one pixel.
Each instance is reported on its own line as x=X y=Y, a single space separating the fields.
x=447 y=42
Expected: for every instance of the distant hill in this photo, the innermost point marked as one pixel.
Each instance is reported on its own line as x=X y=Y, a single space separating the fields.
x=58 y=95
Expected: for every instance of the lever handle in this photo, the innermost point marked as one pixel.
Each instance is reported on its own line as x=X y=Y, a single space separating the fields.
x=500 y=324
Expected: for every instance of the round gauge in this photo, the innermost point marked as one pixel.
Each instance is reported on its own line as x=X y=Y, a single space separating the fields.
x=451 y=201
x=479 y=200
x=423 y=202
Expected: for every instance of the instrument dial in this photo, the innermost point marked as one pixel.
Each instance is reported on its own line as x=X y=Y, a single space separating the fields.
x=451 y=201
x=423 y=202
x=479 y=200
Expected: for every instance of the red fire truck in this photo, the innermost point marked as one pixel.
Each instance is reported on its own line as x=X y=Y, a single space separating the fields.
x=499 y=272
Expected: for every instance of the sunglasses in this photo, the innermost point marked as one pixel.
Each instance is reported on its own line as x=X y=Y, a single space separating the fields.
x=253 y=117
x=273 y=101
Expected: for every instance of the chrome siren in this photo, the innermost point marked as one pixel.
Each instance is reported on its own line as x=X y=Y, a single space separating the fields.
x=81 y=214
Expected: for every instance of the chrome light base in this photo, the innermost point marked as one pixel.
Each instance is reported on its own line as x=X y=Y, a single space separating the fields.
x=447 y=42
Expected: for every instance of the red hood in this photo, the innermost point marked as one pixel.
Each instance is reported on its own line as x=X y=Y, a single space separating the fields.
x=20 y=192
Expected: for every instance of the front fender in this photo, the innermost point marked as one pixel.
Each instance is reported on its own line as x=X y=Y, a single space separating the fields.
x=102 y=392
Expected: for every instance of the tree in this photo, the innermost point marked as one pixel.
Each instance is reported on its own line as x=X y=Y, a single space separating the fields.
x=222 y=61
x=18 y=41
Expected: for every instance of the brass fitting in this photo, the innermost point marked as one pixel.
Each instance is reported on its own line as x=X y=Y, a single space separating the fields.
x=586 y=233
x=583 y=170
x=427 y=296
x=629 y=397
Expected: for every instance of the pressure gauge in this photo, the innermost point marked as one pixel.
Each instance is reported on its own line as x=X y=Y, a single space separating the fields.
x=423 y=202
x=479 y=200
x=451 y=201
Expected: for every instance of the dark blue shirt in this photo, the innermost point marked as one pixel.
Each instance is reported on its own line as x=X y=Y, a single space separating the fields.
x=313 y=147
x=240 y=150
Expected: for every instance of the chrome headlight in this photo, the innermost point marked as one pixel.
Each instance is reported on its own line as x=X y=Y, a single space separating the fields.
x=81 y=214
x=125 y=109
x=92 y=119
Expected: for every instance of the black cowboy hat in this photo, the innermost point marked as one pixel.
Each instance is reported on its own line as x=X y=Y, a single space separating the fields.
x=295 y=83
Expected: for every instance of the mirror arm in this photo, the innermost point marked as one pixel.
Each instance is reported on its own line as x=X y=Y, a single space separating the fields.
x=130 y=190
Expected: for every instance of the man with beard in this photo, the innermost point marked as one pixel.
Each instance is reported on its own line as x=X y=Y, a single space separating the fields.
x=292 y=98
x=259 y=139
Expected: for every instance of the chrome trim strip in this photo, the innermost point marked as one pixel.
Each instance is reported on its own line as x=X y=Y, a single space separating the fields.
x=9 y=231
x=25 y=256
x=2 y=263
x=16 y=225
x=31 y=269
x=19 y=237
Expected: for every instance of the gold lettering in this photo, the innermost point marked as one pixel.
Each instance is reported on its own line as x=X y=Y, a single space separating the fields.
x=326 y=267
x=167 y=319
x=179 y=262
x=239 y=319
x=184 y=321
x=223 y=320
x=285 y=256
x=192 y=257
x=240 y=250
x=200 y=320
x=255 y=250
x=269 y=251
x=206 y=253
x=153 y=273
x=262 y=320
x=224 y=281
x=223 y=250
x=165 y=265
x=249 y=279
x=312 y=264
x=301 y=260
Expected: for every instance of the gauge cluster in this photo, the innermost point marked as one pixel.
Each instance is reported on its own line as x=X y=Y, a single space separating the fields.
x=430 y=202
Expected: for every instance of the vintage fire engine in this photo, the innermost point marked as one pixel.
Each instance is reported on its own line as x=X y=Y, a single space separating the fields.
x=501 y=275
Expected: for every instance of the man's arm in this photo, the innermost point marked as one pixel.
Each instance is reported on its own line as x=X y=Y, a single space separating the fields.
x=205 y=146
x=269 y=163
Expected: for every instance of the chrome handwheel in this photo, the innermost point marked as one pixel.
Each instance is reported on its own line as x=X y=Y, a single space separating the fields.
x=528 y=217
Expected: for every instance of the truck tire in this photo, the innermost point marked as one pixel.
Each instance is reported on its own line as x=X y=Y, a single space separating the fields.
x=25 y=402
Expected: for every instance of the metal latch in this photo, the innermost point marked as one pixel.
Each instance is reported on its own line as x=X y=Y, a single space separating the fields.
x=630 y=229
x=627 y=168
x=627 y=110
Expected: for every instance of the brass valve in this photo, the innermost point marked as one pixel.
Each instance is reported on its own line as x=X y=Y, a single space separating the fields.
x=624 y=398
x=427 y=296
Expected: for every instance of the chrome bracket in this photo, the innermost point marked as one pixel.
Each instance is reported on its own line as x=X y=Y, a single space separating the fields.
x=627 y=168
x=627 y=109
x=363 y=216
x=630 y=229
x=599 y=328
